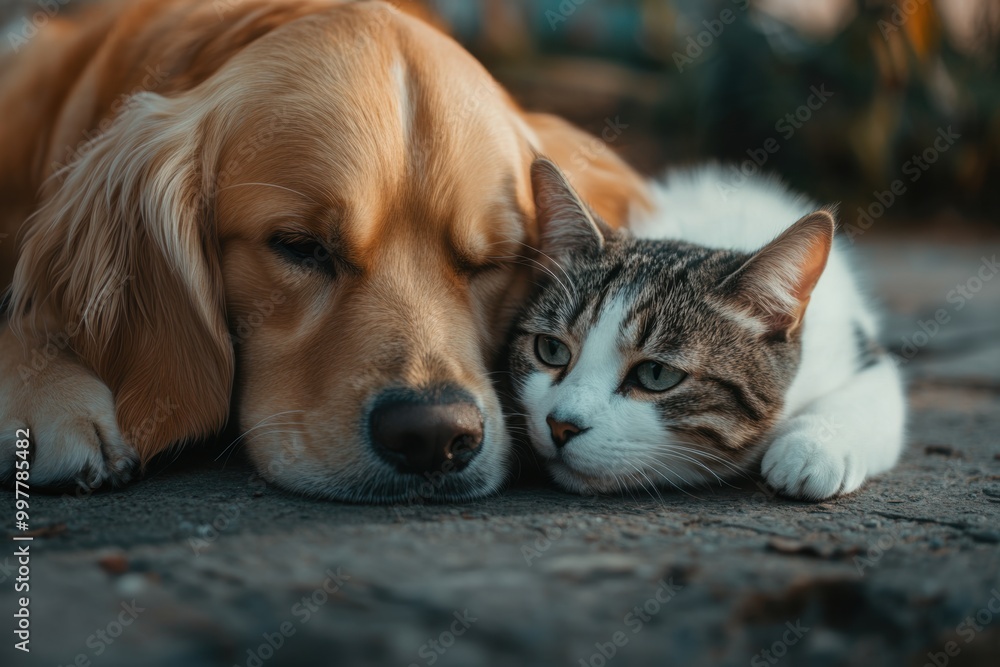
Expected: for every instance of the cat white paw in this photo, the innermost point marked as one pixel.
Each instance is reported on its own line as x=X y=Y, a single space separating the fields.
x=807 y=461
x=74 y=435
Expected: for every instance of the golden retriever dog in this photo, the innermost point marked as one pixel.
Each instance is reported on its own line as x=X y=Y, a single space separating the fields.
x=310 y=217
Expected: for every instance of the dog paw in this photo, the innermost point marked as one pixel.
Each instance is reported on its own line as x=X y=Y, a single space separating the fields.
x=806 y=461
x=69 y=417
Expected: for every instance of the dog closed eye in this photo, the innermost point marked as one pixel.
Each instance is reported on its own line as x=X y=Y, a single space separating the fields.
x=303 y=251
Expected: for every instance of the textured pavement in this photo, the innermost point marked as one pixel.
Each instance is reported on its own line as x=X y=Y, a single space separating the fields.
x=204 y=564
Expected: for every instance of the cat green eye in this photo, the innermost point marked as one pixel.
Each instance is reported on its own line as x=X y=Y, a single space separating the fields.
x=652 y=376
x=552 y=351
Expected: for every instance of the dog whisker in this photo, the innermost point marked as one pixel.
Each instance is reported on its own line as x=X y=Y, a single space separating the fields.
x=258 y=425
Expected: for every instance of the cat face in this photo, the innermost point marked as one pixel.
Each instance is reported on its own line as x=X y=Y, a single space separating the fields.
x=642 y=362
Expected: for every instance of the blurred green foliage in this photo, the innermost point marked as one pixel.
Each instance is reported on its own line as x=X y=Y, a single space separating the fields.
x=852 y=112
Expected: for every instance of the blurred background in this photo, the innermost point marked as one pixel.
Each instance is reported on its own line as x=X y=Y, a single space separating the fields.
x=890 y=106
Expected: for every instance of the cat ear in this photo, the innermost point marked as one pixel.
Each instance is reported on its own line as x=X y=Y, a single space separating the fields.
x=774 y=286
x=565 y=222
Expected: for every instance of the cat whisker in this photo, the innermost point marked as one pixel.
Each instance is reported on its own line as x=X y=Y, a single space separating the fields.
x=696 y=449
x=533 y=249
x=547 y=256
x=731 y=465
x=653 y=462
x=700 y=464
x=654 y=465
x=547 y=270
x=676 y=454
x=722 y=481
x=652 y=486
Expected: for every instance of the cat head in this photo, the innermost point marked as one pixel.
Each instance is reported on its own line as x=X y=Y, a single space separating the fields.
x=646 y=361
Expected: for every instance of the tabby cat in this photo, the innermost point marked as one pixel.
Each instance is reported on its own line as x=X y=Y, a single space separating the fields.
x=722 y=336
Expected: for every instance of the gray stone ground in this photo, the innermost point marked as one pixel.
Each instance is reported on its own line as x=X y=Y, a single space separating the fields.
x=908 y=566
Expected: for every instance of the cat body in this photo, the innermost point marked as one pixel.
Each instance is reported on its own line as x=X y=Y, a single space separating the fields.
x=725 y=335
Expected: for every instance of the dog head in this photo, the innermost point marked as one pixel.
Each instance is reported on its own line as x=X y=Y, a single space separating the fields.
x=324 y=238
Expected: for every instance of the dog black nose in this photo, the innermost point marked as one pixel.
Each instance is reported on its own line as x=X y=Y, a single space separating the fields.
x=562 y=431
x=421 y=433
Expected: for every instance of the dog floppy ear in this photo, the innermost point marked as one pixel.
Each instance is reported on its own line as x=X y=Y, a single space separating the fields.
x=121 y=261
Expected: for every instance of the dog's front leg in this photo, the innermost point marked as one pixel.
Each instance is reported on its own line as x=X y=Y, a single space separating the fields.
x=52 y=400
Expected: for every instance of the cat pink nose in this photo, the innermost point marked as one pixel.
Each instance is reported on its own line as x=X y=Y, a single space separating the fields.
x=562 y=431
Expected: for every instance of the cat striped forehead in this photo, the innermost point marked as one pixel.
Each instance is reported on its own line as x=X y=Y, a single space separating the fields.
x=662 y=284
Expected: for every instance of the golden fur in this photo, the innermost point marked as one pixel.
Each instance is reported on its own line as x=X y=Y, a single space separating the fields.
x=161 y=146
